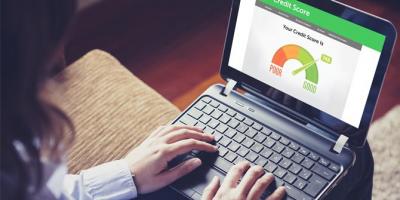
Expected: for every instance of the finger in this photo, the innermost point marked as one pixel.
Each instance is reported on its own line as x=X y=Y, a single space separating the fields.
x=155 y=132
x=235 y=173
x=260 y=186
x=278 y=194
x=212 y=188
x=171 y=128
x=183 y=134
x=250 y=179
x=169 y=176
x=185 y=146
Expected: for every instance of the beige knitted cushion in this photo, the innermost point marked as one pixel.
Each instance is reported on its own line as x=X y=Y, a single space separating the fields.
x=112 y=110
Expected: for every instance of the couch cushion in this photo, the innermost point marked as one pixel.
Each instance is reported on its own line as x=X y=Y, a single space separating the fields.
x=112 y=110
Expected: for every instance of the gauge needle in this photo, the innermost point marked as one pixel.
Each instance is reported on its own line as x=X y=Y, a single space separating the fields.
x=304 y=67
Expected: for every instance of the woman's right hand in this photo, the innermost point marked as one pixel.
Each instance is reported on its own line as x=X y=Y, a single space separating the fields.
x=242 y=183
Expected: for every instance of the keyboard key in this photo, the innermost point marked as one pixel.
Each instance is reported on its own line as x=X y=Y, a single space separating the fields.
x=186 y=119
x=295 y=168
x=294 y=146
x=269 y=142
x=239 y=159
x=323 y=171
x=300 y=184
x=280 y=173
x=278 y=147
x=248 y=122
x=233 y=123
x=305 y=174
x=205 y=119
x=251 y=156
x=208 y=110
x=324 y=162
x=266 y=153
x=222 y=128
x=239 y=138
x=285 y=163
x=313 y=156
x=214 y=104
x=242 y=128
x=275 y=158
x=230 y=156
x=216 y=114
x=222 y=108
x=200 y=125
x=239 y=117
x=261 y=161
x=206 y=99
x=298 y=158
x=284 y=141
x=260 y=138
x=288 y=153
x=231 y=112
x=225 y=141
x=213 y=123
x=257 y=147
x=200 y=105
x=270 y=167
x=315 y=186
x=208 y=130
x=295 y=193
x=217 y=136
x=307 y=163
x=334 y=167
x=196 y=196
x=223 y=164
x=248 y=143
x=243 y=152
x=275 y=136
x=224 y=118
x=257 y=126
x=304 y=151
x=266 y=131
x=290 y=178
x=230 y=133
x=222 y=151
x=250 y=132
x=234 y=146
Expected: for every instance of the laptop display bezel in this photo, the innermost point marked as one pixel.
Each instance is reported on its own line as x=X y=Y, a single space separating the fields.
x=357 y=135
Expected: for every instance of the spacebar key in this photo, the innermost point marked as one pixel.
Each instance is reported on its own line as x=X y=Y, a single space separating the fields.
x=294 y=193
x=222 y=164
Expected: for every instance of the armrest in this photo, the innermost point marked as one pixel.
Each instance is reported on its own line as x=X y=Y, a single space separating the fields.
x=112 y=110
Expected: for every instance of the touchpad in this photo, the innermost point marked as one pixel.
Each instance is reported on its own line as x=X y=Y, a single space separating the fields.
x=197 y=180
x=207 y=178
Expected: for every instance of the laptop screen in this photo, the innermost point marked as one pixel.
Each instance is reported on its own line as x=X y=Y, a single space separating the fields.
x=311 y=55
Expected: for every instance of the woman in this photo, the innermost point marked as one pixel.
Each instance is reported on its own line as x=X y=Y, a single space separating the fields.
x=35 y=132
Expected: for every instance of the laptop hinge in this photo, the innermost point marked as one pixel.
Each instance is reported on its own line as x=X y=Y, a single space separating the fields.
x=340 y=143
x=229 y=87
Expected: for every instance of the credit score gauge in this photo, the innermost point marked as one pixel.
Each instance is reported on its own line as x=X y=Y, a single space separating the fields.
x=308 y=64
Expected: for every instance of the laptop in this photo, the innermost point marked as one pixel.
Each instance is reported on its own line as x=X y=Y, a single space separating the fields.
x=303 y=79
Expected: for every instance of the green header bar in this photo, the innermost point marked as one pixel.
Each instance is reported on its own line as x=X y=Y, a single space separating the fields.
x=329 y=22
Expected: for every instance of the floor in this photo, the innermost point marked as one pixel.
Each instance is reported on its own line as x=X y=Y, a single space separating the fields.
x=164 y=42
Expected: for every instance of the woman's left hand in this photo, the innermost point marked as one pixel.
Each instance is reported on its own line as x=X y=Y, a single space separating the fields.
x=149 y=161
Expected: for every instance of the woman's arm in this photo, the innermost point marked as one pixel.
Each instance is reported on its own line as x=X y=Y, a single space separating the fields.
x=112 y=180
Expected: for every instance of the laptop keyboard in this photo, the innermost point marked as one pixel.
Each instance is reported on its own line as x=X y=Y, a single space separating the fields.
x=303 y=172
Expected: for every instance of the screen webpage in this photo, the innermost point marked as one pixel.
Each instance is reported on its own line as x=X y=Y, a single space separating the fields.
x=318 y=58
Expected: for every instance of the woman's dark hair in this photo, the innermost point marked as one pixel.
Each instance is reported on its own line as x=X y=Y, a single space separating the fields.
x=32 y=37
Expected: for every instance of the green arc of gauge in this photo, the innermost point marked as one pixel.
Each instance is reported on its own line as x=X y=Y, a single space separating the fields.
x=293 y=51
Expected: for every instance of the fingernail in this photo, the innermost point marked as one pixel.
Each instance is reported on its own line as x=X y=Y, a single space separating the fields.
x=281 y=189
x=197 y=162
x=215 y=178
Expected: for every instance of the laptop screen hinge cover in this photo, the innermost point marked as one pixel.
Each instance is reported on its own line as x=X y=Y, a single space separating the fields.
x=340 y=143
x=229 y=87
